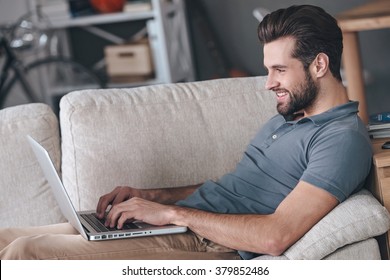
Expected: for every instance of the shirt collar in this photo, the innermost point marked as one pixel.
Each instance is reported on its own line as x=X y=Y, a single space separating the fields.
x=334 y=113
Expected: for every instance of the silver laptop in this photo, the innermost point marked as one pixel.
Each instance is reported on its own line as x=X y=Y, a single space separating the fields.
x=86 y=222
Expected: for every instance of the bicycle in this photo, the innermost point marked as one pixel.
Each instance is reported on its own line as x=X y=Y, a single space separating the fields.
x=44 y=79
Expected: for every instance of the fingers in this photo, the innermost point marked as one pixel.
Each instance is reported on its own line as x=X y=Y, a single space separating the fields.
x=103 y=203
x=118 y=195
x=119 y=214
x=124 y=217
x=128 y=210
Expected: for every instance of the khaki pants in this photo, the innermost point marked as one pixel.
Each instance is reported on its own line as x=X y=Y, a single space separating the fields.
x=62 y=241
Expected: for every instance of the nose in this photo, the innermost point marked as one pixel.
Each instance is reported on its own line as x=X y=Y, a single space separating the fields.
x=271 y=82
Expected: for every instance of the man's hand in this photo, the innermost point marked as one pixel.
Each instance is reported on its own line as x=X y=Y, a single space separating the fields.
x=118 y=195
x=139 y=209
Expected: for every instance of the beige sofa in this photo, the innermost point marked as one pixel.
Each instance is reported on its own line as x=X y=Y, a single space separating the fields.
x=158 y=136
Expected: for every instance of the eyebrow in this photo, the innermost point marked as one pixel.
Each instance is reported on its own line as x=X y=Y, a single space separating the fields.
x=276 y=66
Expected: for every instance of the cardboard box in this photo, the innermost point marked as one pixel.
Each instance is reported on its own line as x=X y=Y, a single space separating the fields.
x=129 y=60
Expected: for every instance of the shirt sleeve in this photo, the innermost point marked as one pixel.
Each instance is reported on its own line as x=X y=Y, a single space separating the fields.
x=339 y=162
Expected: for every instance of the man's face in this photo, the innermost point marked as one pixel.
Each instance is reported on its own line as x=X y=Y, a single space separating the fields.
x=294 y=87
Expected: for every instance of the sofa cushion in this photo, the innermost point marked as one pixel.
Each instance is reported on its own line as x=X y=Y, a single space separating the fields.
x=160 y=136
x=26 y=197
x=363 y=250
x=358 y=218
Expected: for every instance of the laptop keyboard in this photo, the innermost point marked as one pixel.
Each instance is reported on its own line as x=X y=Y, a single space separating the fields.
x=98 y=224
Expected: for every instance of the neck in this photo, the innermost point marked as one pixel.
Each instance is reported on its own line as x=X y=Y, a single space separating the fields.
x=330 y=95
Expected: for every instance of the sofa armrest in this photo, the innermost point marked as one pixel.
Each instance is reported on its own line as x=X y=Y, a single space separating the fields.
x=26 y=198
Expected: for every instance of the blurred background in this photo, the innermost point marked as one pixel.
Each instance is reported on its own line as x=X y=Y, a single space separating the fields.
x=223 y=41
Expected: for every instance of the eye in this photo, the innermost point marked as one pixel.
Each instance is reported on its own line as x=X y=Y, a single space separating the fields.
x=280 y=70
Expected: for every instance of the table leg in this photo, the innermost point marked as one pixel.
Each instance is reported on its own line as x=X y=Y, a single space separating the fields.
x=354 y=73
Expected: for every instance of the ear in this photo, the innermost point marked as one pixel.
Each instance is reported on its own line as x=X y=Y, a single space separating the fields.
x=321 y=65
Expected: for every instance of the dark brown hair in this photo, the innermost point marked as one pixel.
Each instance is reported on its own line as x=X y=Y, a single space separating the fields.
x=314 y=31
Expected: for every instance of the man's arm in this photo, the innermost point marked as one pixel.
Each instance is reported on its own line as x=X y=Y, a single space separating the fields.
x=267 y=234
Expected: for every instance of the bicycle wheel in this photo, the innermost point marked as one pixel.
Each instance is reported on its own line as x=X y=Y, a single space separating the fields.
x=50 y=79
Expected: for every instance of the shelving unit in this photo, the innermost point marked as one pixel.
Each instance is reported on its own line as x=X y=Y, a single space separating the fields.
x=167 y=33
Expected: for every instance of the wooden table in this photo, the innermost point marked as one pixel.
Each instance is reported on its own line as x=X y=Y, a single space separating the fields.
x=380 y=186
x=371 y=16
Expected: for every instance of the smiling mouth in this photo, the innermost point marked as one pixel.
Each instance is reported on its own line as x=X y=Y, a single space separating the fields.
x=281 y=94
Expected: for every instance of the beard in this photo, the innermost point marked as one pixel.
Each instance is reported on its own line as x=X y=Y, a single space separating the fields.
x=300 y=98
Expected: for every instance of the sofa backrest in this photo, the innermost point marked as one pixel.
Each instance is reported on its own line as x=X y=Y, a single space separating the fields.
x=157 y=136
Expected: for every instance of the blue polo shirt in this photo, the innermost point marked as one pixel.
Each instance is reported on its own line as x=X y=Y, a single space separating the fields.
x=331 y=150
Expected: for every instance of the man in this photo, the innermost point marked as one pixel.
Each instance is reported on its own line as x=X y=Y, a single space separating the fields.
x=295 y=170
